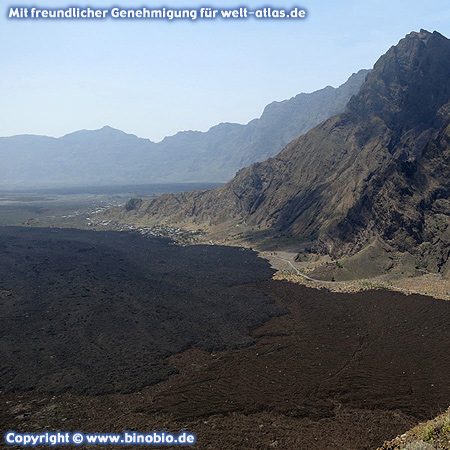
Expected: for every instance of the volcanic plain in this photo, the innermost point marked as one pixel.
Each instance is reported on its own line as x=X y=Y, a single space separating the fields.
x=113 y=331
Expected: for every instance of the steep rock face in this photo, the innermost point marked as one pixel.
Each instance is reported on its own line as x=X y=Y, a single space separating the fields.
x=408 y=207
x=404 y=200
x=379 y=169
x=220 y=152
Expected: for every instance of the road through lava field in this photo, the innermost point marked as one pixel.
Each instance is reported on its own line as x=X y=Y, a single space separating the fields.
x=341 y=371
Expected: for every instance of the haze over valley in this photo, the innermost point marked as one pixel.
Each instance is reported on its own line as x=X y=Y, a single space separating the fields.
x=113 y=157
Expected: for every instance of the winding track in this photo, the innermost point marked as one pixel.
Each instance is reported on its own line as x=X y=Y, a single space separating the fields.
x=298 y=271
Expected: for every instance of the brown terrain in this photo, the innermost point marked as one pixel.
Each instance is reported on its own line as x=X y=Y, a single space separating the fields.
x=328 y=370
x=376 y=173
x=433 y=434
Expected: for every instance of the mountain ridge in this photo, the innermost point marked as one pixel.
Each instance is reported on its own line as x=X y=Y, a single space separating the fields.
x=109 y=156
x=376 y=171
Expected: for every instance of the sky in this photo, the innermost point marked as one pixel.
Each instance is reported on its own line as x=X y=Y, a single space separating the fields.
x=155 y=78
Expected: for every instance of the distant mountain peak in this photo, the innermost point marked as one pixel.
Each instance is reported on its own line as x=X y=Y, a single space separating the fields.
x=110 y=130
x=188 y=156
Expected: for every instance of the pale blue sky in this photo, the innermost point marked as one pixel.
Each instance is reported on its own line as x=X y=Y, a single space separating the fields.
x=154 y=78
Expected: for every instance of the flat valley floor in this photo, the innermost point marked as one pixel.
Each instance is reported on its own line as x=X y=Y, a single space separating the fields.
x=109 y=331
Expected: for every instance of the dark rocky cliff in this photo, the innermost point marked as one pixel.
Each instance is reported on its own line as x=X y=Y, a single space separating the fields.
x=379 y=170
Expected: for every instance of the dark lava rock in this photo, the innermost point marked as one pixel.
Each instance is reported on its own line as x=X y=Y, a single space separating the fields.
x=97 y=312
x=133 y=203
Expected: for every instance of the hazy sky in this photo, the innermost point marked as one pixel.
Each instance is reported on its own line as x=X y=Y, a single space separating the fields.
x=154 y=78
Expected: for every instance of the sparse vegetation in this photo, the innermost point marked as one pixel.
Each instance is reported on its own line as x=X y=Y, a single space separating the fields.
x=417 y=445
x=434 y=434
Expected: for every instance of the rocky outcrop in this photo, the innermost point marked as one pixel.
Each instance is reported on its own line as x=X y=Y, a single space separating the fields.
x=380 y=169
